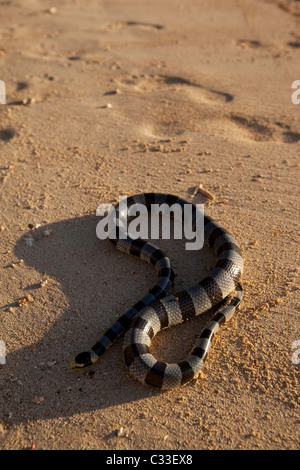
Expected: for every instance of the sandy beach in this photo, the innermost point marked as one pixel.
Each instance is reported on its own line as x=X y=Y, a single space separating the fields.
x=109 y=98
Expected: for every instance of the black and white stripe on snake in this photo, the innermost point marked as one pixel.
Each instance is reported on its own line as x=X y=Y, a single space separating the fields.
x=220 y=291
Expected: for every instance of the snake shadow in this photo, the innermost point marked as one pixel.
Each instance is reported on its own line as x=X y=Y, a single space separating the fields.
x=90 y=284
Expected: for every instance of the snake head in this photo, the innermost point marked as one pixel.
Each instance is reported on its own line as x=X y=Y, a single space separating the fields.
x=84 y=359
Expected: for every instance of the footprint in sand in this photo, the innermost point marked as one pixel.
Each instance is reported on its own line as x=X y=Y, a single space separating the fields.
x=162 y=83
x=181 y=103
x=260 y=129
x=175 y=116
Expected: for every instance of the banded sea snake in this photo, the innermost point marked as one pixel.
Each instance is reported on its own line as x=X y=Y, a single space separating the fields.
x=219 y=290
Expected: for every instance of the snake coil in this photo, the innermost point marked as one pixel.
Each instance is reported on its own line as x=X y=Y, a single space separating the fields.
x=157 y=310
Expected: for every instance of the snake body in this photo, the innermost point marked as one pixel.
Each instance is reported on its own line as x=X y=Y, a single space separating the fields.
x=220 y=291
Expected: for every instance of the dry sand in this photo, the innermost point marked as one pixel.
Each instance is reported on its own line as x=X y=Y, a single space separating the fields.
x=199 y=93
